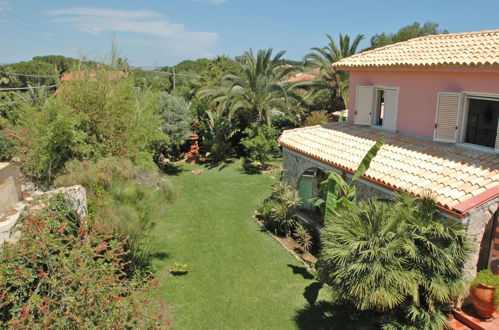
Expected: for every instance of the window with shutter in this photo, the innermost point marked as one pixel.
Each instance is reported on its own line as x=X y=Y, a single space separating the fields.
x=481 y=121
x=446 y=121
x=390 y=108
x=364 y=99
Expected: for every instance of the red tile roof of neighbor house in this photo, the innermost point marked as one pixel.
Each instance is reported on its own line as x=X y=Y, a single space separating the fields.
x=91 y=75
x=454 y=49
x=458 y=179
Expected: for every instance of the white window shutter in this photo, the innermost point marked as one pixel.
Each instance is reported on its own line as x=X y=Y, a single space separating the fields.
x=364 y=99
x=391 y=105
x=447 y=117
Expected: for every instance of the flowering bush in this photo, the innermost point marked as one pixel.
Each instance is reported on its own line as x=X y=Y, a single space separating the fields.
x=64 y=274
x=317 y=118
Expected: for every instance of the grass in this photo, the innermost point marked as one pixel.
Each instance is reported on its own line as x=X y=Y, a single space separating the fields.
x=239 y=277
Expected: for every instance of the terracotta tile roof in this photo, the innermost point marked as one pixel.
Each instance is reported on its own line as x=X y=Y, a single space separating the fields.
x=91 y=75
x=453 y=49
x=457 y=178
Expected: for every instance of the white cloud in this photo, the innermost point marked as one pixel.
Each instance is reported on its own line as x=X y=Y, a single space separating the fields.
x=5 y=7
x=160 y=31
x=216 y=2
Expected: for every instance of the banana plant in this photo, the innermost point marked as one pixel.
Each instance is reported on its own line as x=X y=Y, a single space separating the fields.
x=338 y=192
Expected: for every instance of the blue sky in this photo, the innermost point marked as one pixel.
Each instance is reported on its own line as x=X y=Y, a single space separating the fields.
x=164 y=32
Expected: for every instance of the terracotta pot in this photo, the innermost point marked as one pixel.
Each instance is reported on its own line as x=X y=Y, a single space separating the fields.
x=482 y=297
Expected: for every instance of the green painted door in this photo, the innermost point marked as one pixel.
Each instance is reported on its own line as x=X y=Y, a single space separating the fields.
x=305 y=190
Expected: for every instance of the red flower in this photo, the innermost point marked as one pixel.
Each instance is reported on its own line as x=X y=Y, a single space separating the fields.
x=25 y=310
x=32 y=220
x=195 y=125
x=42 y=273
x=236 y=115
x=103 y=245
x=211 y=109
x=45 y=307
x=81 y=231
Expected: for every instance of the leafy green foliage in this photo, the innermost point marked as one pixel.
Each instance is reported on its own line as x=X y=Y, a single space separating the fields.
x=8 y=148
x=405 y=33
x=88 y=120
x=30 y=68
x=177 y=118
x=256 y=88
x=278 y=211
x=303 y=237
x=151 y=80
x=328 y=80
x=64 y=274
x=338 y=192
x=123 y=200
x=398 y=258
x=317 y=118
x=218 y=125
x=488 y=278
x=260 y=144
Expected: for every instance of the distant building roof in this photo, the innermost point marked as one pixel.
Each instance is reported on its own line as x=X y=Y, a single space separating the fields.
x=91 y=75
x=454 y=49
x=458 y=179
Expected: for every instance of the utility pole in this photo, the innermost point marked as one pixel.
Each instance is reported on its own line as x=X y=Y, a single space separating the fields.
x=174 y=79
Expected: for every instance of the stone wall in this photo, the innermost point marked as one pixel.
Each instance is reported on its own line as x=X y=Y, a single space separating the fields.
x=295 y=164
x=10 y=186
x=476 y=221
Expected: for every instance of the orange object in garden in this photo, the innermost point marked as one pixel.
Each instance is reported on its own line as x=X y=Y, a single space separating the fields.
x=482 y=297
x=193 y=154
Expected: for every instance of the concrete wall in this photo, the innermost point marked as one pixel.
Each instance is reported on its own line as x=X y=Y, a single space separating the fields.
x=10 y=186
x=418 y=92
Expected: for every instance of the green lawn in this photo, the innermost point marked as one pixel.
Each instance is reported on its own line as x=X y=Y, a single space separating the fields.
x=240 y=277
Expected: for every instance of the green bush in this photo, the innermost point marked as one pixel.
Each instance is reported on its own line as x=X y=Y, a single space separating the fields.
x=88 y=119
x=176 y=118
x=317 y=118
x=278 y=211
x=260 y=144
x=64 y=274
x=400 y=259
x=123 y=200
x=8 y=148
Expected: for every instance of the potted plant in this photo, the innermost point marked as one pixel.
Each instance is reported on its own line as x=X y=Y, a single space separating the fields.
x=485 y=293
x=179 y=269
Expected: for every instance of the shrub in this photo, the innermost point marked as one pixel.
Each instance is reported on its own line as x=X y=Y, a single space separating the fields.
x=123 y=200
x=303 y=237
x=317 y=118
x=176 y=118
x=278 y=211
x=397 y=258
x=260 y=144
x=64 y=274
x=8 y=148
x=488 y=278
x=88 y=119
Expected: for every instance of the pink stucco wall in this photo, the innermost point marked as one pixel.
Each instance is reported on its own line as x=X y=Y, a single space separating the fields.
x=418 y=92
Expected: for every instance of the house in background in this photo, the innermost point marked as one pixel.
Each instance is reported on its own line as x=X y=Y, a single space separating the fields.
x=436 y=101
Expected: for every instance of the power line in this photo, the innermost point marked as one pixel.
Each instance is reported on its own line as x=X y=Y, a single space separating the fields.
x=30 y=75
x=178 y=74
x=10 y=103
x=26 y=88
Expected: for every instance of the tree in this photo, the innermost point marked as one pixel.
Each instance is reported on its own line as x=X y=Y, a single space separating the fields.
x=407 y=32
x=400 y=259
x=328 y=80
x=257 y=88
x=177 y=118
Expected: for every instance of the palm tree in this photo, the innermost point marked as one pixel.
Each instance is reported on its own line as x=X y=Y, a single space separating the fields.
x=258 y=87
x=329 y=80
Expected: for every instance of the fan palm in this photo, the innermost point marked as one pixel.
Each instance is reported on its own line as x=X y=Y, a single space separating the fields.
x=399 y=258
x=258 y=87
x=328 y=79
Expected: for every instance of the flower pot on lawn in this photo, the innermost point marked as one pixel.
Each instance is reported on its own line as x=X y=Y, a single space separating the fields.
x=482 y=297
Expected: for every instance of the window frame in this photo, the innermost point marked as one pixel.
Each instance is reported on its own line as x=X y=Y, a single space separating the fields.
x=463 y=119
x=374 y=109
